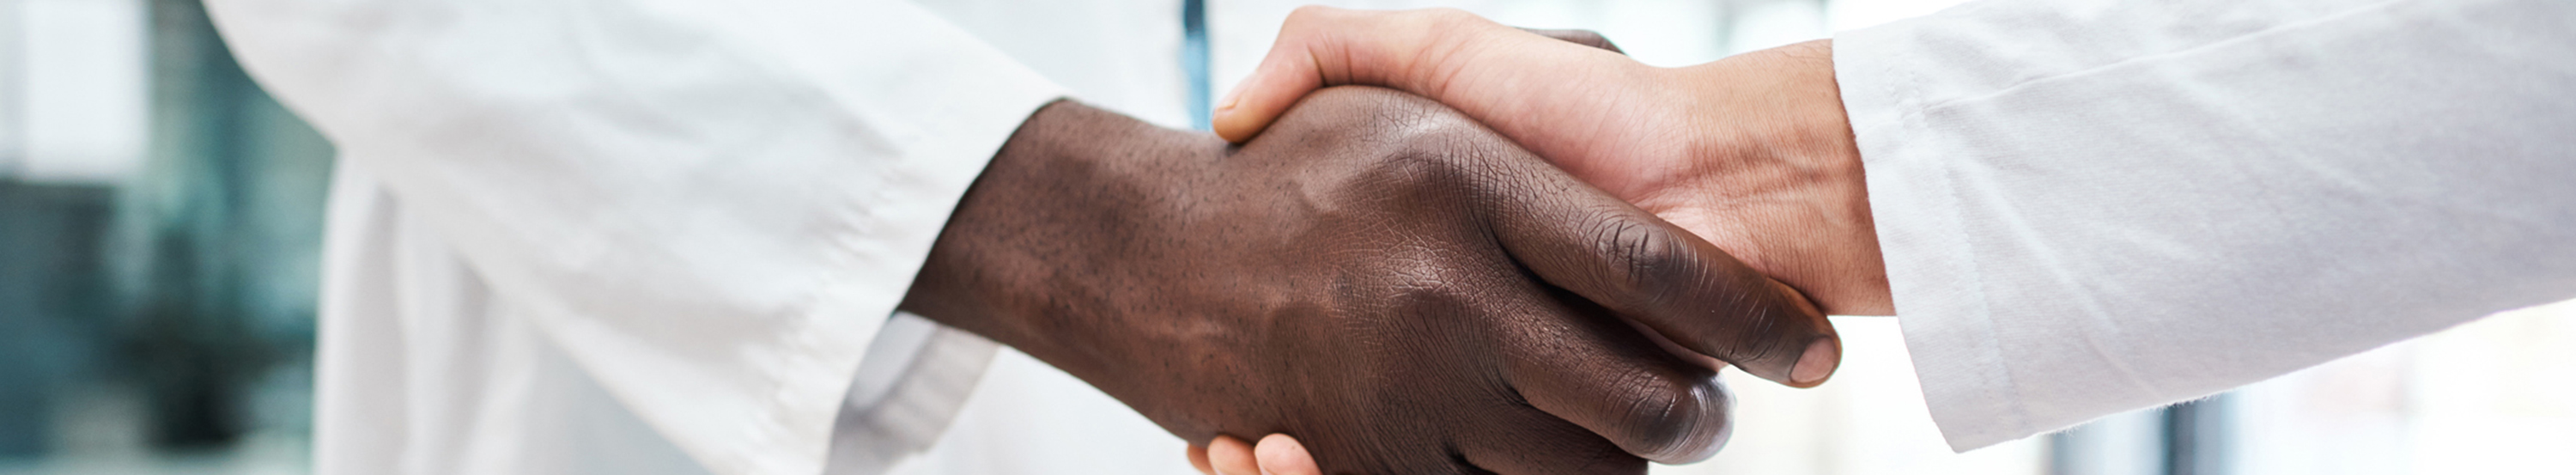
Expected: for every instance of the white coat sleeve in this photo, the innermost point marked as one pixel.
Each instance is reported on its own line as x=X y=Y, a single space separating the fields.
x=710 y=206
x=2091 y=206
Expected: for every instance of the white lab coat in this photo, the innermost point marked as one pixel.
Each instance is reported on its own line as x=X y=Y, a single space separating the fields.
x=640 y=236
x=2091 y=206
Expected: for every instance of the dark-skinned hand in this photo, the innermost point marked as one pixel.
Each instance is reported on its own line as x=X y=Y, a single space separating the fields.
x=1376 y=273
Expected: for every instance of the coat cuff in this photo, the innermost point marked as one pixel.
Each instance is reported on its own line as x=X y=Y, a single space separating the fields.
x=1912 y=198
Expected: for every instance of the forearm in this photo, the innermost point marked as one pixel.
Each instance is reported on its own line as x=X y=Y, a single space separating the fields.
x=1054 y=252
x=2122 y=207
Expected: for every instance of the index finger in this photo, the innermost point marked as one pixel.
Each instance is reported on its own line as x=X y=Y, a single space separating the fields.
x=1322 y=46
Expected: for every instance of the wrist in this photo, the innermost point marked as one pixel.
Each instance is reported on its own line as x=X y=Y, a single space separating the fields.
x=1777 y=173
x=1016 y=262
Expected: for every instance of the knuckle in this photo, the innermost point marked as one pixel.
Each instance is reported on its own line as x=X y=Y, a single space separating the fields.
x=1433 y=129
x=1677 y=420
x=1407 y=166
x=1649 y=264
x=1432 y=138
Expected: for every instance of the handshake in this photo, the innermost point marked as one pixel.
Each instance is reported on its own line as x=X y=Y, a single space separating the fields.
x=1530 y=255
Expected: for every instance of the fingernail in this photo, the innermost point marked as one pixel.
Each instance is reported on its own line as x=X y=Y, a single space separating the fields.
x=1822 y=357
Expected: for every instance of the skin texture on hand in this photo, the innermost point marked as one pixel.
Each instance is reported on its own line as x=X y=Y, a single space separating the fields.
x=1751 y=152
x=1411 y=291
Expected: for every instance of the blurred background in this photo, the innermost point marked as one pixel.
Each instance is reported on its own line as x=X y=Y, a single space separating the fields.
x=160 y=223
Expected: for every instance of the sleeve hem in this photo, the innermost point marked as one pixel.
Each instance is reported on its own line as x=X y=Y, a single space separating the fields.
x=893 y=226
x=1931 y=266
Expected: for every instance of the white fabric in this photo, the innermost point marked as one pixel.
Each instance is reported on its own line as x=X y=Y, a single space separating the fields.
x=560 y=222
x=2090 y=206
